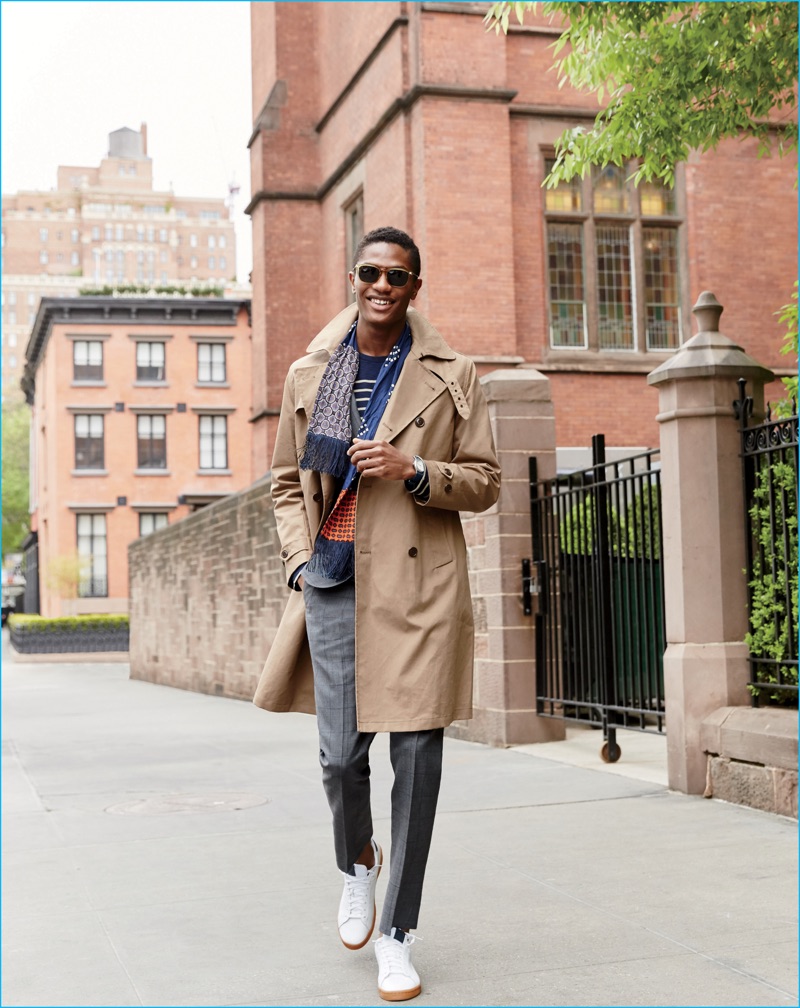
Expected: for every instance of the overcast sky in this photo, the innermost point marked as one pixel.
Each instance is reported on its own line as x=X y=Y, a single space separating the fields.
x=74 y=71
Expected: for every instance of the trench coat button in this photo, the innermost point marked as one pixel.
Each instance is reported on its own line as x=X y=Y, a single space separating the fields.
x=413 y=551
x=284 y=554
x=419 y=422
x=317 y=496
x=448 y=488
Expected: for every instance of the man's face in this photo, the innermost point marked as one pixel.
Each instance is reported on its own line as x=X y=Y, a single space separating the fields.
x=379 y=303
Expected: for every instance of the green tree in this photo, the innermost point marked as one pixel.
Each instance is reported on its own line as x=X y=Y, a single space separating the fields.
x=16 y=440
x=788 y=315
x=674 y=77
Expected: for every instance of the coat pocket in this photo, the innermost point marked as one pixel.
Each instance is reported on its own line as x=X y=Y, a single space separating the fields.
x=437 y=537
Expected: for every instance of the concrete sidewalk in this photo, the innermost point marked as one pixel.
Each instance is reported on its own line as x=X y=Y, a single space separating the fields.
x=169 y=848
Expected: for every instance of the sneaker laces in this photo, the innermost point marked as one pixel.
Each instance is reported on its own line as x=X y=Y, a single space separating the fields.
x=357 y=893
x=394 y=953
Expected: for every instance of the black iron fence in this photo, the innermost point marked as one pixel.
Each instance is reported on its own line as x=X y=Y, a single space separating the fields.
x=769 y=460
x=597 y=587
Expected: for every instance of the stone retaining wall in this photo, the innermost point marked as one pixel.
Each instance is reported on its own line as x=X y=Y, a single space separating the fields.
x=752 y=757
x=206 y=597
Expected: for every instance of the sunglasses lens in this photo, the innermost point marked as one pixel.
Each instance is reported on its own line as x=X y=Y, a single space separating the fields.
x=369 y=274
x=397 y=277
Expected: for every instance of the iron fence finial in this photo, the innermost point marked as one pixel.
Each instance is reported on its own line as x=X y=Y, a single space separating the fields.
x=743 y=406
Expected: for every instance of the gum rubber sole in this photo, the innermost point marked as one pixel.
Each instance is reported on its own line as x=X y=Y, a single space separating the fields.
x=355 y=948
x=405 y=995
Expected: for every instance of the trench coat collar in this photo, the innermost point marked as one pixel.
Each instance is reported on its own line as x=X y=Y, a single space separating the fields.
x=419 y=383
x=426 y=341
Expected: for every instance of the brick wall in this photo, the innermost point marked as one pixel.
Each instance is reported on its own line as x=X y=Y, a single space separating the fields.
x=206 y=597
x=445 y=129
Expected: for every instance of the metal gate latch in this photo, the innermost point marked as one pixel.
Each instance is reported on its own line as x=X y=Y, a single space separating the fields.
x=534 y=586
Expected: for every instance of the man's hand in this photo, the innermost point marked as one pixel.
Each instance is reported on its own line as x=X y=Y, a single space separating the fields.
x=380 y=459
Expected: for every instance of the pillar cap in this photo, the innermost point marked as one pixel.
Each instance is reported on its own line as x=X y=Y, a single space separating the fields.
x=515 y=384
x=709 y=353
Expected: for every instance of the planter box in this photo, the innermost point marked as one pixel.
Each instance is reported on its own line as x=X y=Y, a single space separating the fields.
x=34 y=641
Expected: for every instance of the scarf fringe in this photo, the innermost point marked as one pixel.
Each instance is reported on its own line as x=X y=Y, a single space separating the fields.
x=332 y=559
x=326 y=454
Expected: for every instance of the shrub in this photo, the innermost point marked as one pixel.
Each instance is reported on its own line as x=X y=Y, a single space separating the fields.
x=773 y=608
x=111 y=290
x=643 y=524
x=576 y=529
x=631 y=537
x=29 y=624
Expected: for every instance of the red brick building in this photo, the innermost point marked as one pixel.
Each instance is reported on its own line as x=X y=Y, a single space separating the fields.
x=141 y=410
x=411 y=114
x=106 y=226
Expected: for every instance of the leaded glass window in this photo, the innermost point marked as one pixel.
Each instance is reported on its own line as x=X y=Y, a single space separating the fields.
x=613 y=263
x=565 y=266
x=662 y=307
x=614 y=297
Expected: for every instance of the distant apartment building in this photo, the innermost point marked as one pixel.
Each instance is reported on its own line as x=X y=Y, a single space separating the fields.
x=141 y=414
x=106 y=226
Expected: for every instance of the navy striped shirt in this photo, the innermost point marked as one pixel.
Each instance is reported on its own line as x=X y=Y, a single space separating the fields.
x=368 y=370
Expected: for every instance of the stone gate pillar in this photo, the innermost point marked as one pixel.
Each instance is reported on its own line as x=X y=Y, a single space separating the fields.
x=504 y=702
x=705 y=662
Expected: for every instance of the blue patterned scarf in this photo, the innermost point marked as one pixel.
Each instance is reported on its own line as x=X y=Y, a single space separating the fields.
x=330 y=435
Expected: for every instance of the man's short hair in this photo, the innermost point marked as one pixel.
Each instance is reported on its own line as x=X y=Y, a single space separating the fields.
x=393 y=236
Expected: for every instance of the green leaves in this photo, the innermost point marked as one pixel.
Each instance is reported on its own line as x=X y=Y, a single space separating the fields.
x=677 y=77
x=788 y=316
x=16 y=439
x=109 y=290
x=774 y=584
x=34 y=624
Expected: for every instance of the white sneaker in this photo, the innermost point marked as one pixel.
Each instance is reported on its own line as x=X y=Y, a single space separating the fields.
x=356 y=918
x=397 y=978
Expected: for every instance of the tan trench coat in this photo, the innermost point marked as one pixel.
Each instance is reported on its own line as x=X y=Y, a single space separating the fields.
x=414 y=627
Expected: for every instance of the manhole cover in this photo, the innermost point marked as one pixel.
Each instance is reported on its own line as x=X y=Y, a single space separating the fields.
x=162 y=804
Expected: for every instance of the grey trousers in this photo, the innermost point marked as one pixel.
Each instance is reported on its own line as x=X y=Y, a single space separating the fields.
x=416 y=758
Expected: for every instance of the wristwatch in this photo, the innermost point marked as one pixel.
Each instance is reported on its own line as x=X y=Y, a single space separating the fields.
x=419 y=472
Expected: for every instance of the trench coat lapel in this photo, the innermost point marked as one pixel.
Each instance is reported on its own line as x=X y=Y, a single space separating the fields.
x=307 y=383
x=415 y=390
x=417 y=387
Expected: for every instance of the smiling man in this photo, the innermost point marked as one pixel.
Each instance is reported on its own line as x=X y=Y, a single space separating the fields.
x=383 y=438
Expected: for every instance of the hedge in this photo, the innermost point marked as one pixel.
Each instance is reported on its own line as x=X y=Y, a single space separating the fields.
x=29 y=623
x=94 y=633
